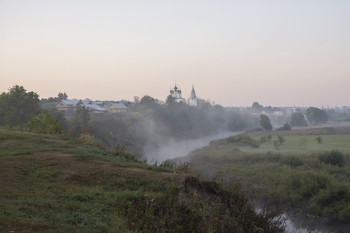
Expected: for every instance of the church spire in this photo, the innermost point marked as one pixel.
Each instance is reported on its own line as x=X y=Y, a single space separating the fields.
x=193 y=98
x=193 y=93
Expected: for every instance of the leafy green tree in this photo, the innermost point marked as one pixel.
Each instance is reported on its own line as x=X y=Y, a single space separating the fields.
x=298 y=119
x=45 y=123
x=265 y=122
x=18 y=106
x=316 y=115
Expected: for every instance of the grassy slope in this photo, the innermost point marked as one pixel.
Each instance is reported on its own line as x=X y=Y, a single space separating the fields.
x=48 y=184
x=290 y=173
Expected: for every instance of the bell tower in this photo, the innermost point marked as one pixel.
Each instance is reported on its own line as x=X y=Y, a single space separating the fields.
x=193 y=97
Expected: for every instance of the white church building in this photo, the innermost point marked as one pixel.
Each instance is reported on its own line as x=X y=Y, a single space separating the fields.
x=176 y=93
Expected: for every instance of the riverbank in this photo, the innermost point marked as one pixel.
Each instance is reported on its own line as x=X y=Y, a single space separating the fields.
x=285 y=167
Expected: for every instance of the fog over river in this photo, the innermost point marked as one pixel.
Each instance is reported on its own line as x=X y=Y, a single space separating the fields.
x=176 y=149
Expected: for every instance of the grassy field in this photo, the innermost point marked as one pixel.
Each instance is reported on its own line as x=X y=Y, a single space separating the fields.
x=56 y=184
x=293 y=167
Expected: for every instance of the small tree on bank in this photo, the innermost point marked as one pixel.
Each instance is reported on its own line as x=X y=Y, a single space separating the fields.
x=298 y=119
x=265 y=122
x=316 y=115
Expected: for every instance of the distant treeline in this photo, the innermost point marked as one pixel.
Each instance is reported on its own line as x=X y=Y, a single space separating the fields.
x=148 y=122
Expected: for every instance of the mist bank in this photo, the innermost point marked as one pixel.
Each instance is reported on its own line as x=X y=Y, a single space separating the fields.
x=156 y=131
x=149 y=124
x=181 y=148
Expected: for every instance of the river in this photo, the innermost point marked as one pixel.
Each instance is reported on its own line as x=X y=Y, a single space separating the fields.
x=294 y=222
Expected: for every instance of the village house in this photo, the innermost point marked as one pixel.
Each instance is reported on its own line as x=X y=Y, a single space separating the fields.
x=68 y=106
x=117 y=108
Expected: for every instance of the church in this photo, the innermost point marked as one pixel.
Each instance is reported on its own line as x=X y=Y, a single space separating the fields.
x=176 y=93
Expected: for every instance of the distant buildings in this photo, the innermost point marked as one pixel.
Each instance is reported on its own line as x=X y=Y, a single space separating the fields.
x=70 y=106
x=192 y=101
x=176 y=94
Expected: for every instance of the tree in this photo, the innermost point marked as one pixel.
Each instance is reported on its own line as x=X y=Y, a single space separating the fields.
x=170 y=100
x=319 y=140
x=81 y=121
x=83 y=116
x=298 y=119
x=265 y=122
x=281 y=139
x=257 y=106
x=285 y=127
x=147 y=101
x=316 y=115
x=45 y=123
x=62 y=96
x=18 y=106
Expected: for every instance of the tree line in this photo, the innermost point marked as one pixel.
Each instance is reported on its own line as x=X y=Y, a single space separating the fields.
x=148 y=123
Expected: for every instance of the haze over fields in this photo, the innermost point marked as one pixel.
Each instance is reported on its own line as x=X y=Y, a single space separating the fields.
x=280 y=53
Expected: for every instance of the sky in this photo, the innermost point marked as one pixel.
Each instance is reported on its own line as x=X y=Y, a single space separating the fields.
x=279 y=53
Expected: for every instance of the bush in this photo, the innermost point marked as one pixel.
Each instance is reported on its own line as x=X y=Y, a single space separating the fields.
x=319 y=140
x=45 y=123
x=281 y=139
x=292 y=161
x=263 y=139
x=335 y=158
x=303 y=186
x=244 y=139
x=333 y=202
x=120 y=151
x=285 y=127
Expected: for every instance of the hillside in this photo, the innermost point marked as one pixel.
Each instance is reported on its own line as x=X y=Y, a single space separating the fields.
x=54 y=184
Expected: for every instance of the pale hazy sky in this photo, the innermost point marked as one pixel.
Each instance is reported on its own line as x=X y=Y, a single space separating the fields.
x=277 y=52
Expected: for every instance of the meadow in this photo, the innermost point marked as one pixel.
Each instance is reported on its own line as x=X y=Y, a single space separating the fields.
x=306 y=169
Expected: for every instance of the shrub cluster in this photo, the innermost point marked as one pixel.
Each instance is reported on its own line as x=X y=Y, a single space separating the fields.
x=335 y=158
x=321 y=194
x=244 y=139
x=292 y=161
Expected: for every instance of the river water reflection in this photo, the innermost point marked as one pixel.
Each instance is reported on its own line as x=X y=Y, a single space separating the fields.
x=299 y=223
